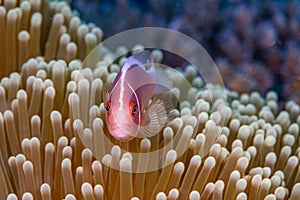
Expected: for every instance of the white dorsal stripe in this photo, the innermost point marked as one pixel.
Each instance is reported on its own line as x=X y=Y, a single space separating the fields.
x=122 y=90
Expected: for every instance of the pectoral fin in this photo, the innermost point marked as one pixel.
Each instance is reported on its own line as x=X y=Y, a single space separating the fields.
x=157 y=115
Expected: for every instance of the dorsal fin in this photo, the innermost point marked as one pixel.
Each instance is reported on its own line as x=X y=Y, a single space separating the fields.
x=140 y=59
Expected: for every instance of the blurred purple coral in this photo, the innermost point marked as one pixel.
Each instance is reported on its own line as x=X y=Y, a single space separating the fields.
x=231 y=46
x=244 y=17
x=246 y=78
x=265 y=34
x=291 y=73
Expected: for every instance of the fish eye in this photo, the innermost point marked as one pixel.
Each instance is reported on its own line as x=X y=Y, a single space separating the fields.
x=107 y=108
x=134 y=110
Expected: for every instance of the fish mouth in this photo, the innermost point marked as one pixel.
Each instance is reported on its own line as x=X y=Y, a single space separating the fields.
x=122 y=127
x=127 y=132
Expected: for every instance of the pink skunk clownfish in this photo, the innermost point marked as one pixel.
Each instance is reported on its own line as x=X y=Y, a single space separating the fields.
x=134 y=106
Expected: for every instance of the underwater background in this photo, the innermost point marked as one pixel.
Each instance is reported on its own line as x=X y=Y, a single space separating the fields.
x=254 y=43
x=54 y=139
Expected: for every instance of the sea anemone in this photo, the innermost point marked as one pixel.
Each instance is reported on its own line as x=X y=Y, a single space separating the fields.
x=55 y=144
x=39 y=28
